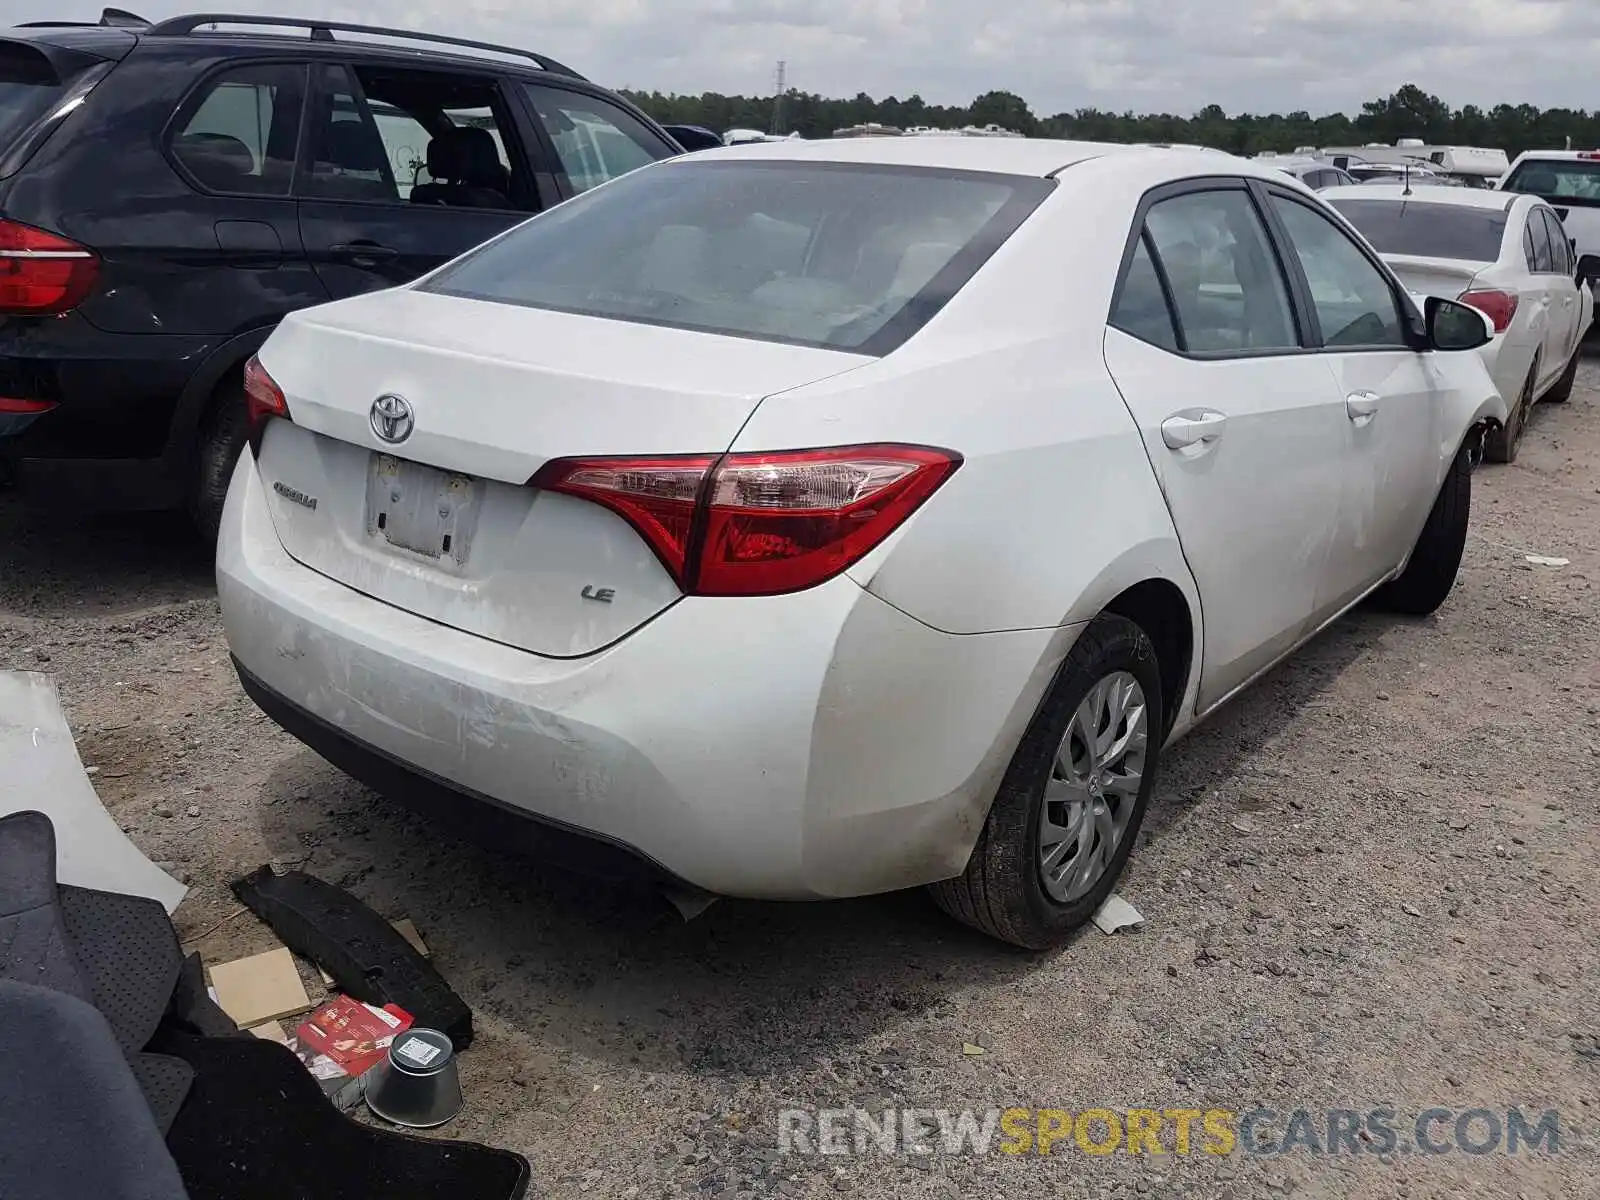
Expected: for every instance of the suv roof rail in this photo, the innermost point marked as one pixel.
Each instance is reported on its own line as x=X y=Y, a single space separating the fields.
x=323 y=31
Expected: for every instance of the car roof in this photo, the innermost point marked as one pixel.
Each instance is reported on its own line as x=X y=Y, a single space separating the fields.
x=1006 y=156
x=1426 y=193
x=1558 y=155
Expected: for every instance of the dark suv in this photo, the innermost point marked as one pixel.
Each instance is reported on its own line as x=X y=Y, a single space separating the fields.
x=169 y=191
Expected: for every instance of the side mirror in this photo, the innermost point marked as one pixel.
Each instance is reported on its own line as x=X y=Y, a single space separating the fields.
x=694 y=137
x=1589 y=268
x=1456 y=326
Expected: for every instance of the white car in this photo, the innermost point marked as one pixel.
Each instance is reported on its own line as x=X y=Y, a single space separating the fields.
x=1569 y=181
x=1506 y=255
x=824 y=518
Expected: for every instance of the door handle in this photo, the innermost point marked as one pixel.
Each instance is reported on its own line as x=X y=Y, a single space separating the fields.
x=1201 y=428
x=372 y=251
x=1361 y=407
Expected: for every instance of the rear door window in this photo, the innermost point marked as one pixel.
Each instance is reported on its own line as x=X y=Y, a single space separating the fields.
x=241 y=130
x=391 y=135
x=594 y=141
x=1227 y=287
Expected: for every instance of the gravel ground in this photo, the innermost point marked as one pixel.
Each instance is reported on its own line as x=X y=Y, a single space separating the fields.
x=1371 y=882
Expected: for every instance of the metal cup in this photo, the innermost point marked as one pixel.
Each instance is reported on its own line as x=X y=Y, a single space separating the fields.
x=417 y=1084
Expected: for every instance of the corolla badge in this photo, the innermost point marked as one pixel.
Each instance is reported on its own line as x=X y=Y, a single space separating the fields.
x=392 y=419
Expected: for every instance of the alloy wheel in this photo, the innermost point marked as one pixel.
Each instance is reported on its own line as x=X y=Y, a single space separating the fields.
x=1093 y=787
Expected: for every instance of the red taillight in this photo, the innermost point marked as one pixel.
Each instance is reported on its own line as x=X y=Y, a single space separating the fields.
x=1498 y=306
x=41 y=274
x=759 y=524
x=263 y=399
x=27 y=408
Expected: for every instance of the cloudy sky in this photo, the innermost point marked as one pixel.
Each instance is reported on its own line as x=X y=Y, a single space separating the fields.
x=1148 y=55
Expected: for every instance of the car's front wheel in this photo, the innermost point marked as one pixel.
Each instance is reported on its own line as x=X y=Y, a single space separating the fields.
x=1431 y=573
x=1562 y=392
x=1070 y=806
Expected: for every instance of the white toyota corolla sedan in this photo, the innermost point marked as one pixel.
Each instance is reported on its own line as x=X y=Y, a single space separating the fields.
x=825 y=518
x=1503 y=253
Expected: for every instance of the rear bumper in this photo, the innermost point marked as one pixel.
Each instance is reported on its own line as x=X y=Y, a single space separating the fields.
x=796 y=747
x=106 y=442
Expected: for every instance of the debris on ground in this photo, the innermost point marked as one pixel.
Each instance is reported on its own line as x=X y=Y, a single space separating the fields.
x=263 y=987
x=366 y=956
x=1116 y=913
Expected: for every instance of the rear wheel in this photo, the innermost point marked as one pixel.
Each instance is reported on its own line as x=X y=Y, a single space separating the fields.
x=1073 y=799
x=1502 y=445
x=222 y=435
x=1563 y=388
x=1431 y=573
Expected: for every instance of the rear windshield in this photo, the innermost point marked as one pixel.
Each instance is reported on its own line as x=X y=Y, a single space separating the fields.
x=841 y=256
x=1427 y=230
x=29 y=88
x=1571 y=181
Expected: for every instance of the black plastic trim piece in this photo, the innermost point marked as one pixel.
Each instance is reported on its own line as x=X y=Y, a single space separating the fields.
x=365 y=955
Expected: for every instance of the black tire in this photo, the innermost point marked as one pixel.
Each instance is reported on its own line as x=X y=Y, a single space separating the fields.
x=222 y=436
x=1001 y=892
x=1562 y=392
x=1502 y=444
x=1431 y=573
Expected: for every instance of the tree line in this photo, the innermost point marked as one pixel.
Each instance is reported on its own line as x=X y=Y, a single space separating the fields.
x=1409 y=112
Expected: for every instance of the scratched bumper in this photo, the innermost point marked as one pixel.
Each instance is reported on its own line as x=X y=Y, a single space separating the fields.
x=794 y=747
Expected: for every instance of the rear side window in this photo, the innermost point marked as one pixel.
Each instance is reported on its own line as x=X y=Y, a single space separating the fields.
x=1141 y=308
x=845 y=257
x=1401 y=226
x=241 y=132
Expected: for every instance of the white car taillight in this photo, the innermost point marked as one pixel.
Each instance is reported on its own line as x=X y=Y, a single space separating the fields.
x=758 y=524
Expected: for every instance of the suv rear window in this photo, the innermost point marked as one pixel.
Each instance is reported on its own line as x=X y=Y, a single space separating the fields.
x=840 y=256
x=1427 y=230
x=1569 y=181
x=29 y=89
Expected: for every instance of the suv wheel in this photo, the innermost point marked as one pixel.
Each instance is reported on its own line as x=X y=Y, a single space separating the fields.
x=1069 y=809
x=221 y=440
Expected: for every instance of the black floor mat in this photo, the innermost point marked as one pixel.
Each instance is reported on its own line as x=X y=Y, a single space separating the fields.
x=128 y=953
x=256 y=1126
x=193 y=1010
x=165 y=1082
x=34 y=947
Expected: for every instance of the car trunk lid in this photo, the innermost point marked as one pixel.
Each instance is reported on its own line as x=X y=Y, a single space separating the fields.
x=1445 y=277
x=441 y=522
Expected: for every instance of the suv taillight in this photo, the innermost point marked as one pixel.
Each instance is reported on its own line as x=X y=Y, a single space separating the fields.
x=41 y=274
x=1498 y=306
x=759 y=524
x=263 y=400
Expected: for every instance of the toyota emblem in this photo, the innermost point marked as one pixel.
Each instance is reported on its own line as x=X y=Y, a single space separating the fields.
x=392 y=419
